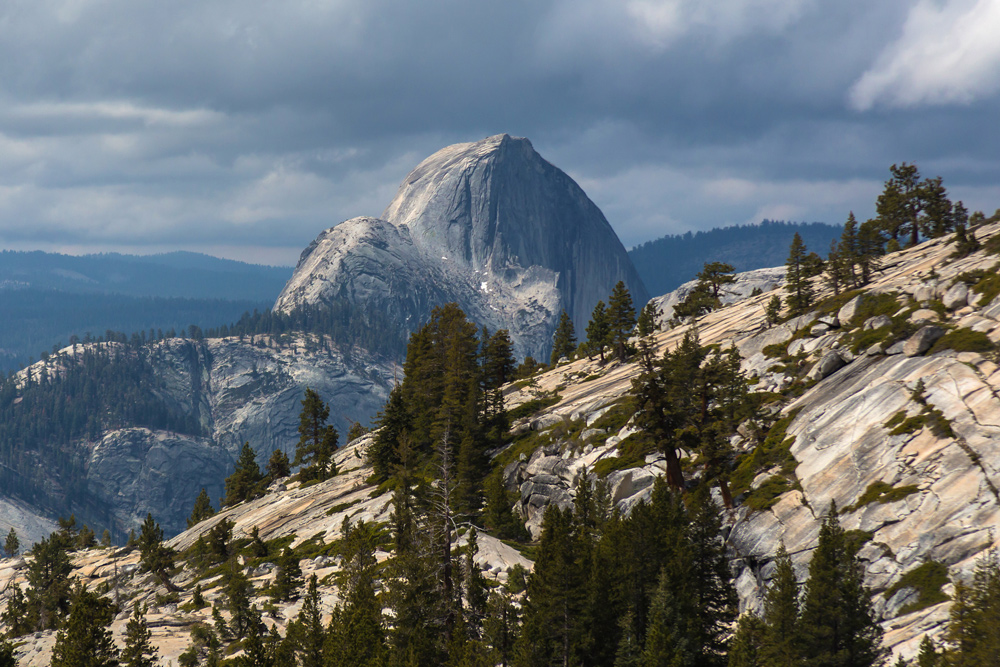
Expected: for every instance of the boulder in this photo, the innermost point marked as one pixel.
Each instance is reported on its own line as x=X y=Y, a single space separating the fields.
x=545 y=422
x=850 y=309
x=925 y=293
x=956 y=296
x=829 y=363
x=924 y=315
x=877 y=322
x=992 y=310
x=819 y=329
x=921 y=341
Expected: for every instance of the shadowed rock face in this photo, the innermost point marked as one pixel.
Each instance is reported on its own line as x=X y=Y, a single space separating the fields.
x=491 y=225
x=235 y=391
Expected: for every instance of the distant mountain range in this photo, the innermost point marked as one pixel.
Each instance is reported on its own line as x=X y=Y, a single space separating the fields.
x=667 y=262
x=46 y=298
x=175 y=274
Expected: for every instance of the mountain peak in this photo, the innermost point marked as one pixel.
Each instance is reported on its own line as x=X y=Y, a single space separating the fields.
x=489 y=224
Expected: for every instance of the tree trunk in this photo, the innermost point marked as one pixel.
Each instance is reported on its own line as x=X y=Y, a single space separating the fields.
x=675 y=476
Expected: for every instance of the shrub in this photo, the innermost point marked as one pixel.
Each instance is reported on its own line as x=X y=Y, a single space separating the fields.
x=531 y=407
x=963 y=340
x=881 y=492
x=767 y=494
x=928 y=580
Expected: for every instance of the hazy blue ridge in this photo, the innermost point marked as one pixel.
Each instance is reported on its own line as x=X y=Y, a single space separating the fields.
x=35 y=319
x=667 y=262
x=176 y=274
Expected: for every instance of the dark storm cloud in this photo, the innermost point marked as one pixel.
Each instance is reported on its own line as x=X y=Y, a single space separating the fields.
x=253 y=125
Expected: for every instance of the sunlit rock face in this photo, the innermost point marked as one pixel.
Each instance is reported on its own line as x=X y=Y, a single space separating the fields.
x=490 y=225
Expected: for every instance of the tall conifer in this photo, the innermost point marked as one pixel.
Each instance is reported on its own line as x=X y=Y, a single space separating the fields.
x=563 y=340
x=797 y=283
x=139 y=650
x=782 y=645
x=839 y=626
x=598 y=331
x=621 y=319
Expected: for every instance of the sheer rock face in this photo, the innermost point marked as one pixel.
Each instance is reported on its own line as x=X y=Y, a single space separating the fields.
x=234 y=391
x=491 y=225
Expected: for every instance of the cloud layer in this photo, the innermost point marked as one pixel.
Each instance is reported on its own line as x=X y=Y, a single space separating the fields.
x=245 y=127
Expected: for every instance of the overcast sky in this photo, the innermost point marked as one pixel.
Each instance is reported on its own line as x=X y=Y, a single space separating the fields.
x=243 y=128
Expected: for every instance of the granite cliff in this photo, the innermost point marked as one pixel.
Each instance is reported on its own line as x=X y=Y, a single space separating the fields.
x=490 y=225
x=235 y=391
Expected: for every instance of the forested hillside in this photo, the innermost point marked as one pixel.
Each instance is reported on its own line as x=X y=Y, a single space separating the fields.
x=53 y=414
x=665 y=263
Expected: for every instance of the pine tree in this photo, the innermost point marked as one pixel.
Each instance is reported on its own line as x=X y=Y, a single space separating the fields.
x=849 y=250
x=239 y=594
x=497 y=370
x=202 y=509
x=928 y=655
x=773 y=310
x=17 y=617
x=278 y=466
x=317 y=441
x=797 y=283
x=356 y=636
x=288 y=581
x=244 y=483
x=256 y=649
x=963 y=634
x=155 y=556
x=552 y=612
x=669 y=640
x=499 y=516
x=598 y=331
x=899 y=204
x=965 y=239
x=837 y=269
x=781 y=645
x=48 y=593
x=747 y=643
x=649 y=320
x=715 y=276
x=7 y=658
x=629 y=652
x=139 y=650
x=309 y=626
x=394 y=424
x=500 y=627
x=839 y=626
x=563 y=340
x=12 y=544
x=621 y=319
x=710 y=585
x=86 y=641
x=257 y=547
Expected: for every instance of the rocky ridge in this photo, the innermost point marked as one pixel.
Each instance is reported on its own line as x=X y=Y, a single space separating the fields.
x=237 y=391
x=939 y=499
x=746 y=282
x=490 y=225
x=935 y=490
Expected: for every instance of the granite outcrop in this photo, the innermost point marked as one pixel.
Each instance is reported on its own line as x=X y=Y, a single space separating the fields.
x=490 y=225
